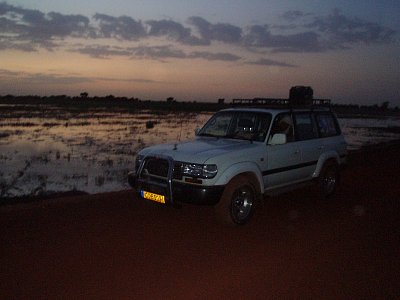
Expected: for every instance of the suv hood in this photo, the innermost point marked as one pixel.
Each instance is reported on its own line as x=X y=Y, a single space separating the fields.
x=199 y=150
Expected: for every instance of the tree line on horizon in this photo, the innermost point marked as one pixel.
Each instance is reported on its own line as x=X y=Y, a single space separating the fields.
x=84 y=98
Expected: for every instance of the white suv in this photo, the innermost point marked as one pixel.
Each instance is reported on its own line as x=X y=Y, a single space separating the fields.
x=242 y=154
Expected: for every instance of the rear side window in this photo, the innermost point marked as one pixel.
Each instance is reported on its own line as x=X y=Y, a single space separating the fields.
x=327 y=125
x=305 y=128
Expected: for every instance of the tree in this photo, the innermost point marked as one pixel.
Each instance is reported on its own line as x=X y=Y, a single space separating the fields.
x=385 y=105
x=84 y=94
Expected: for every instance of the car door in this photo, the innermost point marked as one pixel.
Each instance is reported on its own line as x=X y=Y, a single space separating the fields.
x=330 y=133
x=282 y=160
x=311 y=147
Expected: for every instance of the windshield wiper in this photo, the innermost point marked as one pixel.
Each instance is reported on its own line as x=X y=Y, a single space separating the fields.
x=235 y=136
x=207 y=134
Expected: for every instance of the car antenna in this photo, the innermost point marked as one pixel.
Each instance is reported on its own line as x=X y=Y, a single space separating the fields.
x=180 y=132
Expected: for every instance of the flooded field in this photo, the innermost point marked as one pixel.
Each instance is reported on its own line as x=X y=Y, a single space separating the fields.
x=90 y=152
x=51 y=150
x=368 y=131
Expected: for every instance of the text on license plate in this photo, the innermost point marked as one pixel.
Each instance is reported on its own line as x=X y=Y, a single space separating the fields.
x=153 y=197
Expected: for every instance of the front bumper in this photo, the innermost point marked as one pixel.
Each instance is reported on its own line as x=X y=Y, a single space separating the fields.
x=181 y=192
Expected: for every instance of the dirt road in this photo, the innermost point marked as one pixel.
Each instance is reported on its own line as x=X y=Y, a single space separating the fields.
x=115 y=246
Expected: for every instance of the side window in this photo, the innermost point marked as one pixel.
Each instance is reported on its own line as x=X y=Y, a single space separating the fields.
x=262 y=126
x=327 y=125
x=283 y=124
x=305 y=128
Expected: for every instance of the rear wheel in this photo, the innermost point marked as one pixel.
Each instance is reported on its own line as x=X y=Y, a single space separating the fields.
x=329 y=178
x=238 y=201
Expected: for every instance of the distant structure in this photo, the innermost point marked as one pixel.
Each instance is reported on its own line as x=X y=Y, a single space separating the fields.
x=170 y=100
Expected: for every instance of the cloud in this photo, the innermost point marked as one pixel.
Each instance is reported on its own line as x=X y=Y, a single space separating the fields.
x=308 y=41
x=168 y=51
x=7 y=73
x=101 y=51
x=6 y=44
x=151 y=52
x=121 y=28
x=174 y=31
x=157 y=52
x=41 y=78
x=272 y=63
x=321 y=34
x=25 y=25
x=53 y=78
x=30 y=30
x=221 y=32
x=294 y=15
x=343 y=30
x=133 y=80
x=261 y=37
x=214 y=56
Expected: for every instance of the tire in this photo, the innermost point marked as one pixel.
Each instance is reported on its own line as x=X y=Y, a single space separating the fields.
x=238 y=201
x=329 y=178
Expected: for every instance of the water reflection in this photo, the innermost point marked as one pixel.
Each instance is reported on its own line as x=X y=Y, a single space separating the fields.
x=91 y=152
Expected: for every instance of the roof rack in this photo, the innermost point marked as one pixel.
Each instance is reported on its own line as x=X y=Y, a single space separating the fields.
x=278 y=102
x=299 y=97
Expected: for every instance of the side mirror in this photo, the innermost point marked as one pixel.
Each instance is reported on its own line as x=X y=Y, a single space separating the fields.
x=278 y=139
x=196 y=131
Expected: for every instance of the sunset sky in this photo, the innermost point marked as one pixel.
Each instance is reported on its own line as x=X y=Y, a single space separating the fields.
x=201 y=50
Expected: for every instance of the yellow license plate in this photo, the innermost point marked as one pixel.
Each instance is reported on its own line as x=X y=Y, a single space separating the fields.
x=153 y=197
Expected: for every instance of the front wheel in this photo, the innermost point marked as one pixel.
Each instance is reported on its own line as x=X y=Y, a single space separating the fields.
x=238 y=201
x=329 y=178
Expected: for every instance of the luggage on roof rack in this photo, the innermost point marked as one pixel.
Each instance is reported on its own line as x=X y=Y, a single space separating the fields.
x=302 y=95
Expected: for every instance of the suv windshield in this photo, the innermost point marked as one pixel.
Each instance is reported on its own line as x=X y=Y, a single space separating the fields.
x=244 y=125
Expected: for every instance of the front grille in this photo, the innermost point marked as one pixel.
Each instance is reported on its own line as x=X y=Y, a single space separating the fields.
x=159 y=167
x=178 y=169
x=156 y=166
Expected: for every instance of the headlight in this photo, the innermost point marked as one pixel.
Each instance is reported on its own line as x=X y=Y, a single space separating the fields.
x=138 y=161
x=199 y=170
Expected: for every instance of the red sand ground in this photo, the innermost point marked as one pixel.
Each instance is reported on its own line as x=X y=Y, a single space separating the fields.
x=116 y=246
